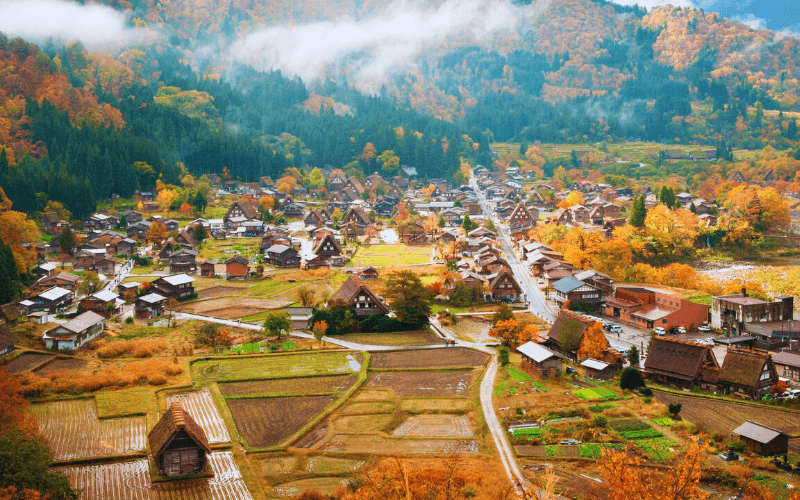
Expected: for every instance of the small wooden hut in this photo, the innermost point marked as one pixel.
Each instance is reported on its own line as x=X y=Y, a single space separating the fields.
x=178 y=444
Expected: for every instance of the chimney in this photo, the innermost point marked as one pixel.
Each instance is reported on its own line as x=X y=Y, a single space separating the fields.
x=744 y=292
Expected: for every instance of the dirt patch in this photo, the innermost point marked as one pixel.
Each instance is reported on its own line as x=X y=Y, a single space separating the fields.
x=333 y=465
x=421 y=405
x=422 y=384
x=265 y=422
x=430 y=358
x=323 y=485
x=534 y=451
x=394 y=339
x=723 y=417
x=314 y=436
x=290 y=386
x=61 y=364
x=369 y=407
x=27 y=361
x=234 y=312
x=473 y=329
x=278 y=465
x=218 y=291
x=435 y=426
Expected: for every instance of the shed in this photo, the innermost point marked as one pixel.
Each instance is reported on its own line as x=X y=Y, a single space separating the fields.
x=598 y=370
x=300 y=317
x=763 y=440
x=208 y=268
x=6 y=340
x=539 y=361
x=237 y=268
x=178 y=444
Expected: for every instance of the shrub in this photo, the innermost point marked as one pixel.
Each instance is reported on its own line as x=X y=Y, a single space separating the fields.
x=156 y=379
x=129 y=320
x=647 y=400
x=675 y=408
x=502 y=356
x=646 y=391
x=600 y=421
x=737 y=446
x=631 y=378
x=173 y=369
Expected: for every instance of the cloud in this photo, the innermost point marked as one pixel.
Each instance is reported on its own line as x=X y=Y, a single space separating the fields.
x=97 y=26
x=375 y=46
x=749 y=19
x=650 y=4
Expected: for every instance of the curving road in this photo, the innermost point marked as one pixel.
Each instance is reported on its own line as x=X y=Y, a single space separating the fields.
x=536 y=301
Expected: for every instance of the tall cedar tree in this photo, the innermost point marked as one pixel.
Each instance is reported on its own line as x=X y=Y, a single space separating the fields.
x=638 y=212
x=10 y=280
x=409 y=299
x=66 y=241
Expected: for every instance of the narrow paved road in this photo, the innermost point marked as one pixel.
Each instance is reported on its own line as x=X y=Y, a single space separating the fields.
x=536 y=302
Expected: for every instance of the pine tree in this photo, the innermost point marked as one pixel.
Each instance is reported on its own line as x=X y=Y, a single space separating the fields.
x=638 y=212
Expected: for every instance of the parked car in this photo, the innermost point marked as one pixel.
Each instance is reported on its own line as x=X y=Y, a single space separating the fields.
x=792 y=394
x=703 y=328
x=659 y=331
x=571 y=370
x=681 y=329
x=570 y=441
x=616 y=329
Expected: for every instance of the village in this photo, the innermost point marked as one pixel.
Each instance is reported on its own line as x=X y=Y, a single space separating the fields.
x=255 y=347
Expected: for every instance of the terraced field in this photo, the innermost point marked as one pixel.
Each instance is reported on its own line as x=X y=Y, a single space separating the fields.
x=73 y=430
x=201 y=407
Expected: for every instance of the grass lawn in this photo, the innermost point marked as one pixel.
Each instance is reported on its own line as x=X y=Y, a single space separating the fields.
x=518 y=376
x=224 y=249
x=391 y=255
x=271 y=366
x=702 y=299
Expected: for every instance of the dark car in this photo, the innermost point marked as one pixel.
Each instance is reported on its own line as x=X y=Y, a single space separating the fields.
x=571 y=370
x=729 y=456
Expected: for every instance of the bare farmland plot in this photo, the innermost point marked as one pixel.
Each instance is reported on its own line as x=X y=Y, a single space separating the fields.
x=421 y=383
x=430 y=358
x=131 y=481
x=435 y=426
x=73 y=430
x=273 y=366
x=27 y=361
x=324 y=485
x=201 y=407
x=289 y=386
x=265 y=422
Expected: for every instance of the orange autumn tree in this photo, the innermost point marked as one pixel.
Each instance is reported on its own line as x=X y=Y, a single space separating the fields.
x=508 y=332
x=572 y=199
x=594 y=343
x=19 y=233
x=156 y=232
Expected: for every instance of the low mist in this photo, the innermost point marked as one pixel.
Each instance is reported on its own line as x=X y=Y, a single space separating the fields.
x=373 y=47
x=96 y=26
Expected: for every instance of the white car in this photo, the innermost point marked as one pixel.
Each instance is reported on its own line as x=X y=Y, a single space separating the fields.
x=659 y=331
x=681 y=329
x=703 y=328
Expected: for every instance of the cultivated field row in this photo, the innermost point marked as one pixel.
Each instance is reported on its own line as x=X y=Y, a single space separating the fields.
x=73 y=430
x=201 y=407
x=131 y=481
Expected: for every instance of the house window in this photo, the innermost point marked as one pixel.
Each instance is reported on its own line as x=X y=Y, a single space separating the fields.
x=663 y=321
x=765 y=375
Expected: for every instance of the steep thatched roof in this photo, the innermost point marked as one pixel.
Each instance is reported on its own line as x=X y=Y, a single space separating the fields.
x=564 y=321
x=175 y=420
x=744 y=368
x=678 y=359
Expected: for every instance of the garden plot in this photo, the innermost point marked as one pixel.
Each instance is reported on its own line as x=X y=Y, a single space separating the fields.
x=60 y=364
x=435 y=426
x=232 y=307
x=265 y=422
x=419 y=338
x=27 y=361
x=377 y=445
x=218 y=291
x=421 y=384
x=73 y=430
x=272 y=366
x=201 y=407
x=422 y=405
x=131 y=481
x=289 y=386
x=278 y=465
x=332 y=465
x=450 y=357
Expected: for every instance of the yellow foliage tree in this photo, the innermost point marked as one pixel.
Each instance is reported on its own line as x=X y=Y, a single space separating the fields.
x=19 y=233
x=572 y=199
x=593 y=343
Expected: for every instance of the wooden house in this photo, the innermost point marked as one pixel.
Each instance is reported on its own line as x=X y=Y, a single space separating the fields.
x=504 y=287
x=178 y=444
x=6 y=340
x=358 y=295
x=149 y=306
x=282 y=256
x=522 y=220
x=538 y=361
x=413 y=232
x=358 y=217
x=761 y=439
x=105 y=303
x=128 y=290
x=598 y=370
x=237 y=268
x=748 y=373
x=328 y=247
x=239 y=211
x=174 y=287
x=681 y=363
x=369 y=273
x=53 y=300
x=208 y=269
x=567 y=324
x=183 y=261
x=337 y=181
x=569 y=289
x=74 y=333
